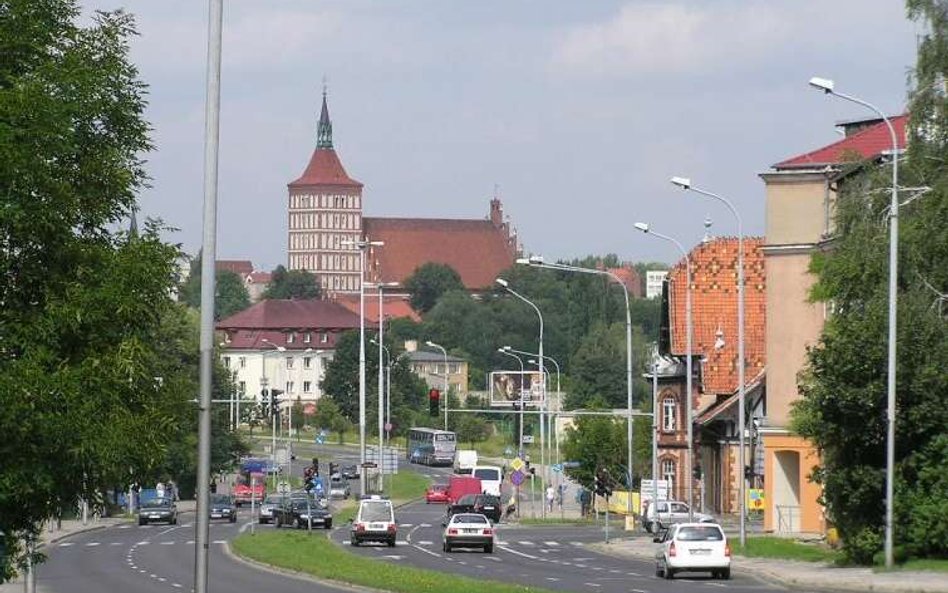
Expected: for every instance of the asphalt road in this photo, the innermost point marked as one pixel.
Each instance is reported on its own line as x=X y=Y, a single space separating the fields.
x=552 y=557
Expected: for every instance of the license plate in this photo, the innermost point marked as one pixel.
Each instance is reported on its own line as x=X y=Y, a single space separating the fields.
x=377 y=526
x=215 y=515
x=701 y=552
x=471 y=530
x=155 y=516
x=488 y=508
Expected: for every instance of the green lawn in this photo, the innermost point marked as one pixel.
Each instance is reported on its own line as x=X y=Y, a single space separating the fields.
x=405 y=486
x=314 y=554
x=929 y=564
x=785 y=549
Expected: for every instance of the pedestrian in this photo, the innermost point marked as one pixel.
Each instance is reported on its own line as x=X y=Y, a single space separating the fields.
x=550 y=497
x=160 y=489
x=213 y=486
x=584 y=499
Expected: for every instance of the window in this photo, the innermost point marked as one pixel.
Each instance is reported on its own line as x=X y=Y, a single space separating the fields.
x=289 y=362
x=290 y=337
x=243 y=362
x=243 y=388
x=455 y=368
x=306 y=338
x=289 y=387
x=323 y=338
x=668 y=413
x=307 y=386
x=307 y=362
x=668 y=473
x=227 y=362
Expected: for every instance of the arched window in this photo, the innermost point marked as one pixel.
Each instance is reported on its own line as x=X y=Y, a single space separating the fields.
x=669 y=414
x=668 y=474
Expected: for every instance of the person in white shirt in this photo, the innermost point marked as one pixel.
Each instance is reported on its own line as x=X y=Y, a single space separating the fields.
x=550 y=496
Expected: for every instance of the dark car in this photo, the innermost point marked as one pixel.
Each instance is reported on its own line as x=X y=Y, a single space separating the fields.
x=158 y=509
x=489 y=506
x=303 y=512
x=465 y=504
x=222 y=506
x=350 y=472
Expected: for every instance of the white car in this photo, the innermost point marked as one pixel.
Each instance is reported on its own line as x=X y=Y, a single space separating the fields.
x=469 y=530
x=491 y=478
x=693 y=547
x=374 y=522
x=669 y=513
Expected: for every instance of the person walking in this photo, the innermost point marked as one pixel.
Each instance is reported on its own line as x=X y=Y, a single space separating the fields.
x=550 y=497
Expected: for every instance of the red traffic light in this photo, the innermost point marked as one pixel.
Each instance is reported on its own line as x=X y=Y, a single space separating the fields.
x=434 y=395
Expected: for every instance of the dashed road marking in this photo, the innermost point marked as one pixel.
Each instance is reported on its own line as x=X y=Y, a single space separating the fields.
x=554 y=579
x=66 y=544
x=425 y=543
x=592 y=584
x=171 y=543
x=92 y=544
x=552 y=544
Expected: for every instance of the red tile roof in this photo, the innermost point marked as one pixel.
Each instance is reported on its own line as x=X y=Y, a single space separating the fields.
x=866 y=144
x=242 y=267
x=714 y=307
x=259 y=277
x=256 y=339
x=478 y=250
x=630 y=278
x=395 y=306
x=325 y=168
x=292 y=315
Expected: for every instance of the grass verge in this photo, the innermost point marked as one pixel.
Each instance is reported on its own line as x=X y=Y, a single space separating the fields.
x=316 y=555
x=405 y=486
x=785 y=549
x=923 y=564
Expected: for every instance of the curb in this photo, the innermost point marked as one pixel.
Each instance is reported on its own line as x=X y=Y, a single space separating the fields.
x=302 y=576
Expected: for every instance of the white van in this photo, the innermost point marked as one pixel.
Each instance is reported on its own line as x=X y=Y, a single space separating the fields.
x=464 y=461
x=491 y=478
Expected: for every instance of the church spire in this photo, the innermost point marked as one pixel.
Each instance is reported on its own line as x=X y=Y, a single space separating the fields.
x=324 y=127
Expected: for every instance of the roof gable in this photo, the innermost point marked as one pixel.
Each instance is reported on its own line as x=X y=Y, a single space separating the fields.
x=279 y=314
x=325 y=168
x=866 y=144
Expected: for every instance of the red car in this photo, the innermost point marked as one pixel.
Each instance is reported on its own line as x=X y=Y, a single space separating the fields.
x=437 y=493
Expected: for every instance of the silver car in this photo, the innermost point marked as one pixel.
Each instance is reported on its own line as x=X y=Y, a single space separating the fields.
x=671 y=512
x=339 y=488
x=266 y=508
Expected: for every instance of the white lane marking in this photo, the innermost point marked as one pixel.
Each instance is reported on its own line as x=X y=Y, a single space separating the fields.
x=425 y=543
x=167 y=543
x=219 y=541
x=577 y=544
x=552 y=544
x=554 y=579
x=592 y=584
x=425 y=525
x=190 y=542
x=66 y=544
x=406 y=524
x=115 y=544
x=162 y=579
x=512 y=551
x=639 y=591
x=429 y=552
x=495 y=559
x=393 y=556
x=526 y=543
x=633 y=574
x=614 y=571
x=176 y=585
x=124 y=527
x=91 y=544
x=716 y=584
x=143 y=543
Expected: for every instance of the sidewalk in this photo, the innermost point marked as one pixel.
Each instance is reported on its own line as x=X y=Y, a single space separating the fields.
x=801 y=574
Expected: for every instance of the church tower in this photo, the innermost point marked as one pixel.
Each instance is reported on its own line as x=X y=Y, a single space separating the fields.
x=325 y=210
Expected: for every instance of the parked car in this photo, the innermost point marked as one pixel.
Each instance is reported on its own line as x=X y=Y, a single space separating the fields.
x=670 y=512
x=267 y=507
x=222 y=507
x=693 y=547
x=350 y=472
x=437 y=493
x=302 y=512
x=161 y=509
x=465 y=504
x=489 y=506
x=339 y=487
x=374 y=522
x=468 y=530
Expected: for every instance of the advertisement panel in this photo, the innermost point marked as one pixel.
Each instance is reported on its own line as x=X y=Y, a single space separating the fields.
x=508 y=387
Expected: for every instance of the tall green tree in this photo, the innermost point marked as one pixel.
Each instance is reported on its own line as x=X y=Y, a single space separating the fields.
x=292 y=284
x=231 y=295
x=428 y=282
x=83 y=306
x=843 y=409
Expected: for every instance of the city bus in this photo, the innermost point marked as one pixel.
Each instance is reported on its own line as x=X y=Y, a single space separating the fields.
x=431 y=446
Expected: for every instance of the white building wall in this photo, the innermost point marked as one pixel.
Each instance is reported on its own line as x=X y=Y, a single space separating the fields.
x=653 y=283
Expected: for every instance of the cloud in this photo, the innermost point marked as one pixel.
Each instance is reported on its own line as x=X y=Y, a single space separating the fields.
x=671 y=38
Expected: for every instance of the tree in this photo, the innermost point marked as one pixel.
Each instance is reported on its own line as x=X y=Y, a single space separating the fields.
x=596 y=442
x=598 y=368
x=844 y=383
x=428 y=282
x=299 y=418
x=231 y=294
x=329 y=417
x=292 y=284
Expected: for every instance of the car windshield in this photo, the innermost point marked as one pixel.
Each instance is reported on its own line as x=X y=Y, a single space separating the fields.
x=157 y=502
x=488 y=499
x=703 y=533
x=439 y=487
x=273 y=499
x=376 y=511
x=487 y=473
x=220 y=499
x=467 y=499
x=469 y=519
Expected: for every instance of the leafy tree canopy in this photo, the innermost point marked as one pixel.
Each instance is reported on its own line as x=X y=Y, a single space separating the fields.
x=292 y=284
x=231 y=294
x=428 y=282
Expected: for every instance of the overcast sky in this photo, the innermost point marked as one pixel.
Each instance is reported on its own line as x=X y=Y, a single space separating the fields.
x=579 y=111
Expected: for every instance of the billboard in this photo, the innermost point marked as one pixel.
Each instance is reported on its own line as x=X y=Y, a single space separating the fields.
x=508 y=387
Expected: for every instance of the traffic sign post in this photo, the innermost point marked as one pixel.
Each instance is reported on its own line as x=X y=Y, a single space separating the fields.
x=556 y=467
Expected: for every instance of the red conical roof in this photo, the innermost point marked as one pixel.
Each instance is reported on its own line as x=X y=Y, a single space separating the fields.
x=324 y=168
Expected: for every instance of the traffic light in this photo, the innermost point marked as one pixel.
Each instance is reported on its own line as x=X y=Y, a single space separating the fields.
x=316 y=466
x=434 y=402
x=275 y=401
x=748 y=472
x=264 y=402
x=598 y=486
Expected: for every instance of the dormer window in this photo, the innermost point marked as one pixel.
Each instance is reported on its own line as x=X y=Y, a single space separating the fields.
x=306 y=338
x=324 y=338
x=290 y=337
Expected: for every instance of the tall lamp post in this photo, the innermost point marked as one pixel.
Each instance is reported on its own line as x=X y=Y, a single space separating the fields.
x=273 y=417
x=379 y=286
x=431 y=344
x=829 y=87
x=688 y=403
x=506 y=286
x=537 y=262
x=685 y=184
x=509 y=352
x=362 y=246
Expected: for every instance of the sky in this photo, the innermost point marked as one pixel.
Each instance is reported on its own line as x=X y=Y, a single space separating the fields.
x=576 y=113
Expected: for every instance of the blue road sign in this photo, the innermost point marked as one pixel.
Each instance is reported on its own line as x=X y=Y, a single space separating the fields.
x=320 y=439
x=516 y=477
x=557 y=467
x=568 y=464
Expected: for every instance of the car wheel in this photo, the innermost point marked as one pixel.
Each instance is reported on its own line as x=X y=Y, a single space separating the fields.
x=725 y=574
x=446 y=547
x=391 y=543
x=328 y=524
x=489 y=549
x=142 y=521
x=669 y=573
x=354 y=542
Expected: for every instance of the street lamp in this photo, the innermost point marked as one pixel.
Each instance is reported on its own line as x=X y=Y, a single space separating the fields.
x=685 y=183
x=273 y=417
x=829 y=87
x=508 y=351
x=431 y=344
x=688 y=403
x=506 y=286
x=537 y=261
x=362 y=246
x=379 y=286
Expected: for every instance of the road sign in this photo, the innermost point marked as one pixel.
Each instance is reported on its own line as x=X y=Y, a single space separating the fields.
x=570 y=464
x=509 y=452
x=320 y=439
x=370 y=464
x=516 y=477
x=528 y=439
x=388 y=427
x=516 y=464
x=556 y=467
